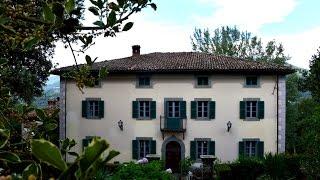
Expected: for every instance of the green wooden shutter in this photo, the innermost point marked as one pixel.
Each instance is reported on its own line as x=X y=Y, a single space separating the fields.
x=242 y=109
x=212 y=111
x=183 y=110
x=135 y=109
x=260 y=151
x=135 y=149
x=84 y=109
x=241 y=148
x=193 y=109
x=260 y=109
x=153 y=147
x=193 y=150
x=212 y=148
x=153 y=110
x=101 y=109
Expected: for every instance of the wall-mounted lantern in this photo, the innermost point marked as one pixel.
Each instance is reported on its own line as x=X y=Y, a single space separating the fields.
x=229 y=124
x=120 y=124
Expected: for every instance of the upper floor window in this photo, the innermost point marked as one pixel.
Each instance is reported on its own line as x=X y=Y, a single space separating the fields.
x=252 y=81
x=203 y=109
x=173 y=109
x=93 y=108
x=251 y=109
x=144 y=109
x=202 y=81
x=144 y=81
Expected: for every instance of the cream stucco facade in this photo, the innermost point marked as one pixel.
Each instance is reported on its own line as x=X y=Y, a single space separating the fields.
x=118 y=92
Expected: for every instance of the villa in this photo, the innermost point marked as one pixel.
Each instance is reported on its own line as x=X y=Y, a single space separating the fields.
x=177 y=105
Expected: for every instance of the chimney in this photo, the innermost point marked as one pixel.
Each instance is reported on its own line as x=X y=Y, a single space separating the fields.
x=135 y=50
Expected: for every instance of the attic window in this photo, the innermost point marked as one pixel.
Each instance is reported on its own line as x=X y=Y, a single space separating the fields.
x=144 y=81
x=252 y=81
x=202 y=82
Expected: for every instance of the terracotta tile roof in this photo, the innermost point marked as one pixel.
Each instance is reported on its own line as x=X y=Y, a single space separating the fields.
x=185 y=62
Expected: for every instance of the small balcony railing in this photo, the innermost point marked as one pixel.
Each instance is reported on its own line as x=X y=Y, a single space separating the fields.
x=172 y=124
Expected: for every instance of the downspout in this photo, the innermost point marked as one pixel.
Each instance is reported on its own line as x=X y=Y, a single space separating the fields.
x=65 y=108
x=277 y=114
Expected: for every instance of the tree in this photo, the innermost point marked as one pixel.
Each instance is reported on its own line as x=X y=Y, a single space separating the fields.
x=233 y=42
x=313 y=78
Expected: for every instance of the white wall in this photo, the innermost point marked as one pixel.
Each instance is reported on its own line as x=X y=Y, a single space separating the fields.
x=119 y=91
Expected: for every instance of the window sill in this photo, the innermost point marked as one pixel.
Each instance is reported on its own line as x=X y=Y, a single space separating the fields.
x=251 y=119
x=251 y=86
x=144 y=87
x=93 y=118
x=143 y=119
x=203 y=119
x=202 y=86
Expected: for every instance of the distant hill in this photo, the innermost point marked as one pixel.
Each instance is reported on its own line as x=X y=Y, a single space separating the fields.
x=51 y=91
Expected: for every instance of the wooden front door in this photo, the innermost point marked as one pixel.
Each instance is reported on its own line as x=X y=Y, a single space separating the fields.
x=173 y=156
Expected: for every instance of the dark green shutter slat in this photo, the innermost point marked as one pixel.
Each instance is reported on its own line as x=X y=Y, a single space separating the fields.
x=193 y=109
x=153 y=110
x=260 y=109
x=153 y=147
x=101 y=109
x=212 y=148
x=260 y=149
x=242 y=110
x=212 y=106
x=183 y=109
x=193 y=150
x=84 y=109
x=135 y=149
x=241 y=148
x=134 y=109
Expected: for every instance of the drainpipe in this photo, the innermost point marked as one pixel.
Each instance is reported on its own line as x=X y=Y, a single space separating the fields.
x=65 y=108
x=277 y=114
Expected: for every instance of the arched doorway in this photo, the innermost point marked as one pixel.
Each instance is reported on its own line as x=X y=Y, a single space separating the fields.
x=173 y=155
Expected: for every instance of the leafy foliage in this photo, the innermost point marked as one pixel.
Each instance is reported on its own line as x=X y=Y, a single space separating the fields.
x=313 y=79
x=233 y=42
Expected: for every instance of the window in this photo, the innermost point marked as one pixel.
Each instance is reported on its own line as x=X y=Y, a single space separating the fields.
x=202 y=148
x=144 y=109
x=250 y=148
x=251 y=81
x=173 y=109
x=144 y=81
x=144 y=148
x=251 y=109
x=93 y=109
x=202 y=109
x=202 y=81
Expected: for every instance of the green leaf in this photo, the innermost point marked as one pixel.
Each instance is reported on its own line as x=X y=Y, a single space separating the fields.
x=47 y=13
x=112 y=18
x=100 y=4
x=58 y=10
x=111 y=155
x=70 y=5
x=88 y=60
x=4 y=137
x=113 y=6
x=50 y=126
x=9 y=157
x=3 y=61
x=99 y=23
x=48 y=153
x=31 y=170
x=94 y=10
x=92 y=153
x=30 y=42
x=154 y=6
x=94 y=2
x=128 y=26
x=103 y=72
x=41 y=114
x=4 y=20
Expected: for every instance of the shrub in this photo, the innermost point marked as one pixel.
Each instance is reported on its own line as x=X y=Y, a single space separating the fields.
x=152 y=170
x=223 y=171
x=185 y=165
x=247 y=168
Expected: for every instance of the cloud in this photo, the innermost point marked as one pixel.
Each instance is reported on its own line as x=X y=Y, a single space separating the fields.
x=300 y=46
x=246 y=14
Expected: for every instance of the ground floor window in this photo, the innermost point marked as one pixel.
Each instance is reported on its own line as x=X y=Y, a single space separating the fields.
x=251 y=148
x=144 y=148
x=202 y=148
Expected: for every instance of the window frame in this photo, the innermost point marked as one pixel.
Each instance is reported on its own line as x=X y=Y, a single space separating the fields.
x=143 y=86
x=175 y=104
x=197 y=140
x=145 y=140
x=144 y=101
x=257 y=109
x=196 y=84
x=202 y=110
x=250 y=142
x=96 y=100
x=250 y=85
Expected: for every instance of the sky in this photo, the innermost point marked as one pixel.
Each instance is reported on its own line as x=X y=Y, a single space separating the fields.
x=294 y=23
